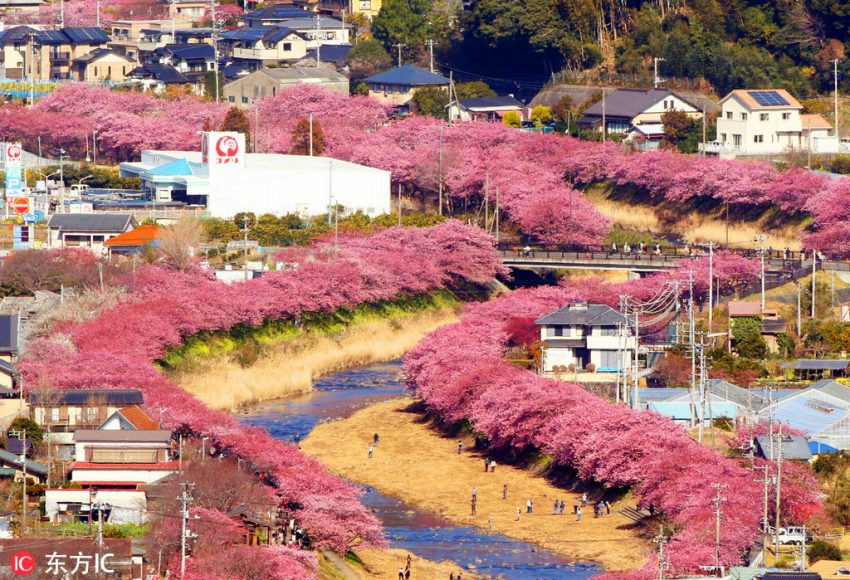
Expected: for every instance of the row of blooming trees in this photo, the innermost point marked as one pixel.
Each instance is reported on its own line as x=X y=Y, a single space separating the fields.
x=460 y=372
x=119 y=348
x=535 y=177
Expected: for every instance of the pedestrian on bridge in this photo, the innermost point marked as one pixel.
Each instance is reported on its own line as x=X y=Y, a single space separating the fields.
x=787 y=254
x=459 y=447
x=613 y=247
x=627 y=249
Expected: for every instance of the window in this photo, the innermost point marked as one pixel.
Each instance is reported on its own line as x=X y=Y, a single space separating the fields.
x=95 y=71
x=786 y=116
x=365 y=4
x=723 y=137
x=758 y=138
x=608 y=331
x=557 y=331
x=54 y=414
x=608 y=359
x=91 y=413
x=231 y=98
x=245 y=100
x=763 y=116
x=736 y=141
x=287 y=46
x=729 y=114
x=743 y=116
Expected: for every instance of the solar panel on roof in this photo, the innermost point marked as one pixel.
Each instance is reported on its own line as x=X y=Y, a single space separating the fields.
x=768 y=98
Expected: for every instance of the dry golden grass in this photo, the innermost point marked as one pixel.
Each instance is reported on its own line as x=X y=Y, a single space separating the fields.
x=292 y=365
x=416 y=464
x=695 y=227
x=384 y=565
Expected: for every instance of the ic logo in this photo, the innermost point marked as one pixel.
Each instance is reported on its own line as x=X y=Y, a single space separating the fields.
x=13 y=152
x=23 y=563
x=227 y=148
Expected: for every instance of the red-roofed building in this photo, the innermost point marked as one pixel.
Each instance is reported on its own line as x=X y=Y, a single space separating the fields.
x=134 y=241
x=129 y=418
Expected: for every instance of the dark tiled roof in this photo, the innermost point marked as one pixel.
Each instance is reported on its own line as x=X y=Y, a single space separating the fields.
x=16 y=446
x=79 y=397
x=335 y=53
x=409 y=75
x=86 y=35
x=275 y=12
x=9 y=333
x=279 y=33
x=161 y=72
x=32 y=466
x=8 y=368
x=17 y=35
x=91 y=222
x=249 y=34
x=97 y=53
x=591 y=315
x=791 y=576
x=628 y=103
x=187 y=51
x=817 y=365
x=52 y=37
x=489 y=102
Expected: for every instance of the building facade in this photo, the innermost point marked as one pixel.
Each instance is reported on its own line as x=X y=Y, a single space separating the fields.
x=268 y=82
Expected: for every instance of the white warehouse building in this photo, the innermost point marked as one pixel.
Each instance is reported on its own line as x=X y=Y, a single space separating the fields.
x=226 y=180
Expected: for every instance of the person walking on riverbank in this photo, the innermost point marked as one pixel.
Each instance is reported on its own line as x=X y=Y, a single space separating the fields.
x=370 y=451
x=555 y=507
x=529 y=507
x=518 y=511
x=562 y=507
x=584 y=499
x=459 y=447
x=375 y=440
x=493 y=466
x=578 y=515
x=607 y=508
x=486 y=465
x=505 y=491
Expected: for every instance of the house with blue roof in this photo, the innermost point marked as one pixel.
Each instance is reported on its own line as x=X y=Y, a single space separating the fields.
x=47 y=54
x=398 y=85
x=265 y=44
x=723 y=400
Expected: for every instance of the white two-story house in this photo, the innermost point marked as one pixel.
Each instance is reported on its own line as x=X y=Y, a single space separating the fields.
x=770 y=121
x=585 y=337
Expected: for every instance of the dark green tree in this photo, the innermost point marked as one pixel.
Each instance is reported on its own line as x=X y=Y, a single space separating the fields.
x=237 y=120
x=301 y=138
x=368 y=57
x=474 y=90
x=822 y=550
x=431 y=101
x=33 y=429
x=402 y=21
x=749 y=341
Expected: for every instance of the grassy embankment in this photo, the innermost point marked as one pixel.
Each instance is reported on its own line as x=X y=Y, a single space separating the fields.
x=420 y=465
x=694 y=221
x=281 y=358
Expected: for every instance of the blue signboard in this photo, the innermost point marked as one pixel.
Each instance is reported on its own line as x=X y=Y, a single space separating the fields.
x=22 y=237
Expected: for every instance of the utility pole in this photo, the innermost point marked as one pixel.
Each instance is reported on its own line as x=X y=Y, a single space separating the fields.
x=399 y=46
x=835 y=94
x=430 y=43
x=702 y=393
x=318 y=42
x=692 y=337
x=604 y=124
x=718 y=501
x=245 y=230
x=440 y=185
x=98 y=13
x=760 y=239
x=22 y=435
x=635 y=378
x=399 y=204
x=764 y=522
x=778 y=491
x=703 y=131
x=656 y=80
x=185 y=498
x=803 y=550
x=814 y=274
x=61 y=13
x=215 y=31
x=710 y=284
x=497 y=228
x=311 y=134
x=661 y=540
x=487 y=202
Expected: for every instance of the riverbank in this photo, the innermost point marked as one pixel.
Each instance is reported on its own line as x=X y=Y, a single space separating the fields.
x=417 y=464
x=289 y=365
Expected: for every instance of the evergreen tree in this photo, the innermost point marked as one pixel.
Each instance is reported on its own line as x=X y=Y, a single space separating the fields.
x=301 y=138
x=237 y=120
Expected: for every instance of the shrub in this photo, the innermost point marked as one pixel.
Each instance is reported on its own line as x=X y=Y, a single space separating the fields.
x=822 y=550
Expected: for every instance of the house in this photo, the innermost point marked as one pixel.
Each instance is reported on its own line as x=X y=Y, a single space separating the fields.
x=156 y=77
x=273 y=15
x=625 y=109
x=129 y=418
x=265 y=45
x=134 y=242
x=335 y=54
x=768 y=121
x=821 y=412
x=192 y=60
x=772 y=324
x=582 y=336
x=187 y=11
x=47 y=54
x=261 y=527
x=267 y=82
x=398 y=85
x=9 y=348
x=483 y=108
x=116 y=506
x=12 y=466
x=65 y=410
x=723 y=400
x=121 y=457
x=831 y=569
x=81 y=230
x=794 y=447
x=102 y=64
x=137 y=39
x=809 y=369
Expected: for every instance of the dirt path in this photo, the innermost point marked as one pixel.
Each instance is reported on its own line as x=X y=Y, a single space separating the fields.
x=416 y=464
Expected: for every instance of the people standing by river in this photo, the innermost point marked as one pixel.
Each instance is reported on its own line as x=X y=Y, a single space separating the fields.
x=375 y=440
x=505 y=491
x=459 y=447
x=518 y=511
x=562 y=507
x=493 y=466
x=529 y=507
x=578 y=515
x=370 y=452
x=486 y=465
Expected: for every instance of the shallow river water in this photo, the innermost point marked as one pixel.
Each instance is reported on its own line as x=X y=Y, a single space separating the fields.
x=340 y=395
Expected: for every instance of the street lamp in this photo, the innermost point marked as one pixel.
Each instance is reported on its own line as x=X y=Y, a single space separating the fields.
x=62 y=155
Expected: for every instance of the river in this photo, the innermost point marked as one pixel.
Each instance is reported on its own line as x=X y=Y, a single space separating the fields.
x=339 y=395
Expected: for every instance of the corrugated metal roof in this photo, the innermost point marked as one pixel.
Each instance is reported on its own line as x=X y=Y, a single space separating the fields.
x=811 y=412
x=32 y=466
x=793 y=447
x=408 y=75
x=629 y=102
x=591 y=315
x=833 y=388
x=119 y=436
x=9 y=333
x=490 y=102
x=734 y=393
x=817 y=365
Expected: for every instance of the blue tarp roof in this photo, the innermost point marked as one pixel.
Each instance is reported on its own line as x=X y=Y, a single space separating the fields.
x=276 y=12
x=407 y=74
x=178 y=167
x=816 y=447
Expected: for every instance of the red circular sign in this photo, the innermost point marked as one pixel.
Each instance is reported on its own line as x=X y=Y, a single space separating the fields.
x=23 y=563
x=13 y=152
x=21 y=205
x=227 y=146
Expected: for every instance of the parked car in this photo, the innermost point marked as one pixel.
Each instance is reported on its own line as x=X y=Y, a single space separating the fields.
x=793 y=535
